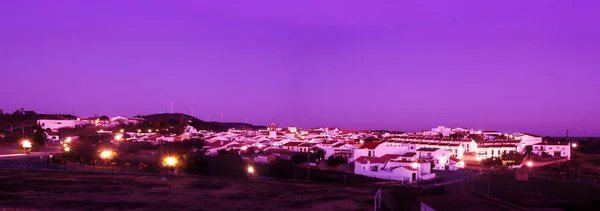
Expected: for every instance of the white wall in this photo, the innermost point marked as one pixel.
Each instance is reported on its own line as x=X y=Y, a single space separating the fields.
x=565 y=150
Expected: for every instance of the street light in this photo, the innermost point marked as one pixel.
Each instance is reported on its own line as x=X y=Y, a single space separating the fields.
x=574 y=145
x=250 y=170
x=119 y=137
x=68 y=140
x=529 y=163
x=122 y=130
x=106 y=154
x=67 y=149
x=26 y=143
x=170 y=161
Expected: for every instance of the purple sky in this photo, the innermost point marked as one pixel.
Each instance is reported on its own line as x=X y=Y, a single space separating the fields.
x=531 y=66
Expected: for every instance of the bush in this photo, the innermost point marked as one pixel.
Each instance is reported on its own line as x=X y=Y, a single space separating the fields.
x=336 y=161
x=513 y=157
x=491 y=162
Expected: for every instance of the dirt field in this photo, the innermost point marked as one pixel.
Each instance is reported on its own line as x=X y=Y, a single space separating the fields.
x=541 y=193
x=78 y=191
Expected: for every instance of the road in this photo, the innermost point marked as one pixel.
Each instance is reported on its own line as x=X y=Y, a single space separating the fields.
x=13 y=152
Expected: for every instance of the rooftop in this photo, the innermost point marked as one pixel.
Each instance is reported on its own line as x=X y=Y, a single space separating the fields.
x=370 y=145
x=427 y=149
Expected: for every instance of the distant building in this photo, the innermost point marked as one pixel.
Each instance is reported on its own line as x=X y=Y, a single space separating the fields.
x=54 y=125
x=445 y=131
x=51 y=136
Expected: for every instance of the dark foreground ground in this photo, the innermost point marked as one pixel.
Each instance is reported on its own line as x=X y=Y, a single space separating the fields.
x=80 y=191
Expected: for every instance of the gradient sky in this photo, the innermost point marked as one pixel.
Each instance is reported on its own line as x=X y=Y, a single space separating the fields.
x=531 y=66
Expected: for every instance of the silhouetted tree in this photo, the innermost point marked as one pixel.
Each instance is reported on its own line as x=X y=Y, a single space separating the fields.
x=491 y=162
x=513 y=157
x=318 y=153
x=336 y=161
x=299 y=158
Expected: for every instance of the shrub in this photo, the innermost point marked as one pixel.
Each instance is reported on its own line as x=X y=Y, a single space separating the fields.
x=336 y=161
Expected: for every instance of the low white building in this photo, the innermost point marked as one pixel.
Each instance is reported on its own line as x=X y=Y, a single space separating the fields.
x=265 y=158
x=393 y=167
x=54 y=125
x=553 y=148
x=438 y=157
x=51 y=136
x=495 y=149
x=526 y=140
x=445 y=131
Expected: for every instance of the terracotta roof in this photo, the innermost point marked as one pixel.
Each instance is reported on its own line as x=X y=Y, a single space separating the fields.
x=292 y=144
x=364 y=159
x=498 y=146
x=530 y=134
x=385 y=158
x=218 y=143
x=559 y=143
x=410 y=168
x=338 y=145
x=307 y=144
x=235 y=145
x=427 y=149
x=370 y=145
x=409 y=154
x=454 y=159
x=382 y=159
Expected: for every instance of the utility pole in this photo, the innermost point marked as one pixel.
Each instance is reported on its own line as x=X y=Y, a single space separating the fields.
x=208 y=117
x=222 y=117
x=171 y=106
x=246 y=119
x=308 y=166
x=192 y=111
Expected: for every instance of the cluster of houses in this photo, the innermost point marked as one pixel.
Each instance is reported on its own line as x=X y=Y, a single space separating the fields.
x=388 y=155
x=395 y=156
x=55 y=124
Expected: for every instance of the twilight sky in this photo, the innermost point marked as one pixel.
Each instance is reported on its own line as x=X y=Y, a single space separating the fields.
x=530 y=66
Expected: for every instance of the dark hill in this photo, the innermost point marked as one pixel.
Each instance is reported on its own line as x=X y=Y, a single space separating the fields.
x=197 y=123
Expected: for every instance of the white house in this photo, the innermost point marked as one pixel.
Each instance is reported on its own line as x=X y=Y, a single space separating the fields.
x=554 y=148
x=344 y=150
x=115 y=121
x=439 y=157
x=392 y=167
x=191 y=130
x=445 y=131
x=455 y=164
x=527 y=140
x=56 y=124
x=265 y=158
x=51 y=136
x=293 y=146
x=495 y=149
x=367 y=149
x=213 y=148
